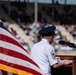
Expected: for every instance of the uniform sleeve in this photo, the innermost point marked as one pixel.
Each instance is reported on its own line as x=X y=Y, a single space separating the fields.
x=52 y=56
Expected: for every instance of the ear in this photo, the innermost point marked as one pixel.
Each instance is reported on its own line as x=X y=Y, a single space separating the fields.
x=50 y=36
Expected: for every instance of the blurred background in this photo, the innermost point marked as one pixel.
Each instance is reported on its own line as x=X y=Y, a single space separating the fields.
x=24 y=18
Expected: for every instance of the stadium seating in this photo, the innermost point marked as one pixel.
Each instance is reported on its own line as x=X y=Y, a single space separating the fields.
x=44 y=16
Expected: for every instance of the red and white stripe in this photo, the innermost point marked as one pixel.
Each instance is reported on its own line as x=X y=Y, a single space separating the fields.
x=12 y=53
x=6 y=73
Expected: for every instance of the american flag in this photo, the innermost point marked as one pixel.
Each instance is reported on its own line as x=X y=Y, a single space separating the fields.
x=14 y=59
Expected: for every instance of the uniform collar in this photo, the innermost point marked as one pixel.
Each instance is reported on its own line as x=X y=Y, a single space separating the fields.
x=45 y=40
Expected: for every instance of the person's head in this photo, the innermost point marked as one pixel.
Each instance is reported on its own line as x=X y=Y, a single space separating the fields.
x=48 y=33
x=3 y=20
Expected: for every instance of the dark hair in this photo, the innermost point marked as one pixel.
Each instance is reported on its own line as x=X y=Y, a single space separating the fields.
x=3 y=19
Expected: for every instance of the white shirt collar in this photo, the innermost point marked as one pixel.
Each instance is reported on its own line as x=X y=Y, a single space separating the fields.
x=45 y=40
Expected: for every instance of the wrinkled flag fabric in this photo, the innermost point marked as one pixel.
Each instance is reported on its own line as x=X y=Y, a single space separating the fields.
x=14 y=59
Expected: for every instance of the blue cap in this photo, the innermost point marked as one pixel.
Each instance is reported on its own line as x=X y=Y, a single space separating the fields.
x=47 y=31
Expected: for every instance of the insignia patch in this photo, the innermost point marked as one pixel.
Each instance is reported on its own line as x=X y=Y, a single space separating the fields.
x=53 y=54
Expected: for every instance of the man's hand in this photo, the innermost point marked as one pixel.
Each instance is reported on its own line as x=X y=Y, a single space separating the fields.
x=66 y=62
x=58 y=58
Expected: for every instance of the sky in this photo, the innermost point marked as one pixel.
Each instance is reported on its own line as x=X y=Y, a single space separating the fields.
x=60 y=1
x=50 y=1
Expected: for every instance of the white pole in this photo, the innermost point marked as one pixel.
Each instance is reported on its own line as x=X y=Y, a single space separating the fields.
x=36 y=10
